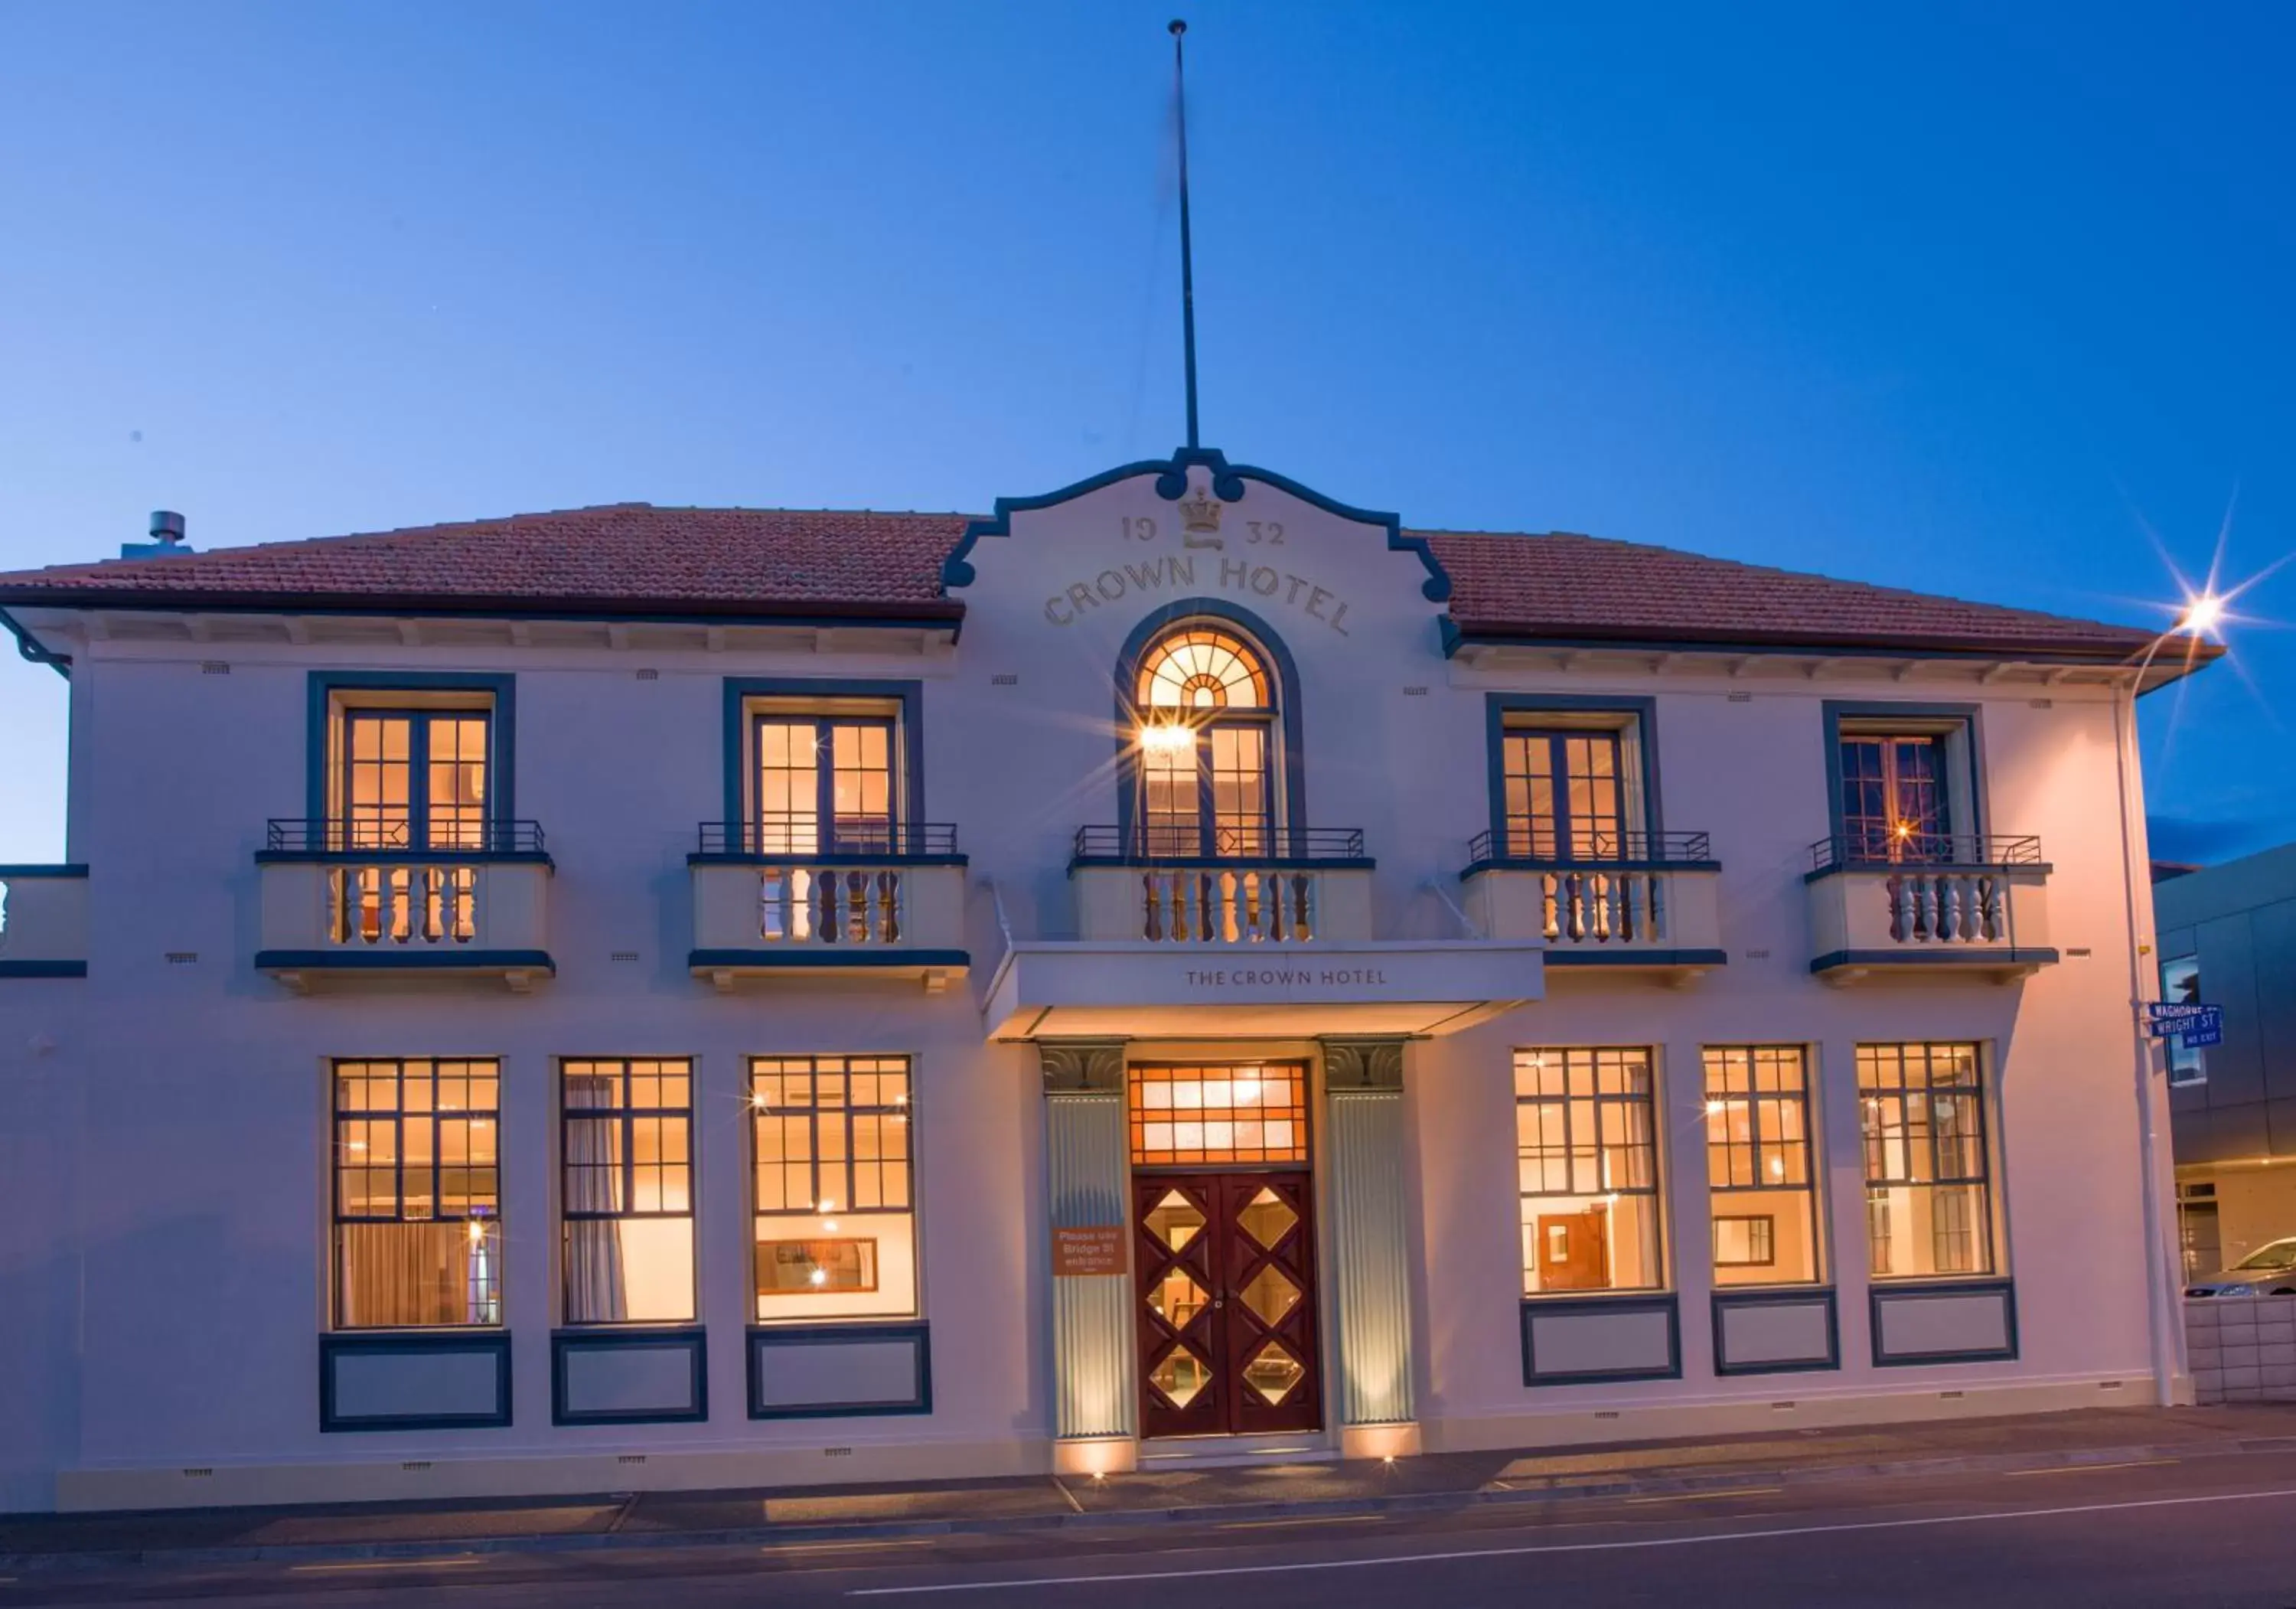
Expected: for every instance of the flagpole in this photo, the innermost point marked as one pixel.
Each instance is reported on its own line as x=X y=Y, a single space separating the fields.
x=1187 y=252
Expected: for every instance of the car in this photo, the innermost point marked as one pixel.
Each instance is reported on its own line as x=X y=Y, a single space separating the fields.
x=2269 y=1271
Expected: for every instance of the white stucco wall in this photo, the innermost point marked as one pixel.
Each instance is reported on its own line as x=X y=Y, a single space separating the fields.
x=163 y=1156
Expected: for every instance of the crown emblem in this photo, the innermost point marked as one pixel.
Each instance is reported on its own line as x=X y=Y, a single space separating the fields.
x=1199 y=517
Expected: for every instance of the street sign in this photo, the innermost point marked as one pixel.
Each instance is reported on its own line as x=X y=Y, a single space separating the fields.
x=2193 y=1024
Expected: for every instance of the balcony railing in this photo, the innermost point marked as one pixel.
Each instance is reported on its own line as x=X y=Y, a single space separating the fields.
x=1608 y=850
x=1907 y=900
x=1145 y=882
x=1634 y=899
x=798 y=839
x=1863 y=852
x=872 y=895
x=1141 y=844
x=356 y=894
x=331 y=837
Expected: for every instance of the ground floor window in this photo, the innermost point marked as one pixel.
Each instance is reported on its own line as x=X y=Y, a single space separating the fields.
x=626 y=1196
x=1760 y=1179
x=1930 y=1204
x=418 y=1194
x=834 y=1218
x=1587 y=1170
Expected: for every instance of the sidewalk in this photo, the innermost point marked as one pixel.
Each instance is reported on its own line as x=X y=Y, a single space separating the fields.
x=1432 y=1482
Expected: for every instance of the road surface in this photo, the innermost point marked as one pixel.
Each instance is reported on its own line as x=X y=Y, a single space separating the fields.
x=2206 y=1530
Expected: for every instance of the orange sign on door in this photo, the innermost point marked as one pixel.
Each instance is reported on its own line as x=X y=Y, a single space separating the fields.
x=1088 y=1249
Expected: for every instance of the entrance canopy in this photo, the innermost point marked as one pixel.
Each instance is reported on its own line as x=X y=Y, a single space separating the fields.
x=1143 y=990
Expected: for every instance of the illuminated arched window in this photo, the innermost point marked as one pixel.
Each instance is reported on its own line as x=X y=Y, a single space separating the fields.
x=1198 y=667
x=1209 y=744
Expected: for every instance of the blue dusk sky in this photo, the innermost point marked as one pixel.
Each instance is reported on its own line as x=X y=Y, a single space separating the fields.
x=1988 y=300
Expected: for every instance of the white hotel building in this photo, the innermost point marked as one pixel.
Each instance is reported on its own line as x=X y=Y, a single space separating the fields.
x=1181 y=968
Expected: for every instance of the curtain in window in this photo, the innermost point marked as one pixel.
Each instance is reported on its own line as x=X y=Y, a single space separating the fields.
x=597 y=1291
x=406 y=1274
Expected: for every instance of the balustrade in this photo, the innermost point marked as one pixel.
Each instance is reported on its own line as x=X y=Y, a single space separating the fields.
x=1927 y=901
x=1942 y=906
x=333 y=900
x=409 y=906
x=1249 y=904
x=832 y=905
x=1604 y=908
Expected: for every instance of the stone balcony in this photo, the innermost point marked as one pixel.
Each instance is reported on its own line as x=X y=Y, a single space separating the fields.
x=884 y=903
x=43 y=922
x=1273 y=937
x=347 y=911
x=1929 y=903
x=1649 y=907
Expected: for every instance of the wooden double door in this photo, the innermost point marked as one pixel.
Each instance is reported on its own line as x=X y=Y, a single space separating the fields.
x=1225 y=1270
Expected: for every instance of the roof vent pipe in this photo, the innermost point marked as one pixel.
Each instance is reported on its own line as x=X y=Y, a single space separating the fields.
x=167 y=538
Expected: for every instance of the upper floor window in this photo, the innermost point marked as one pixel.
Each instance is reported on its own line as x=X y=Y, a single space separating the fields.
x=828 y=768
x=414 y=767
x=825 y=783
x=1209 y=776
x=1906 y=788
x=1571 y=785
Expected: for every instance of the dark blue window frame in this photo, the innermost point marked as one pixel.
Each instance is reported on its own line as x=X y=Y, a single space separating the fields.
x=908 y=698
x=1288 y=722
x=1506 y=712
x=502 y=730
x=1938 y=721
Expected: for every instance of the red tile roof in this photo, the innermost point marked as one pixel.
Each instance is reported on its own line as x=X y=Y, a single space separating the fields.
x=633 y=557
x=1569 y=587
x=623 y=556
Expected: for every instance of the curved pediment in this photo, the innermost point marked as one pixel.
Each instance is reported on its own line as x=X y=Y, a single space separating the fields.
x=1212 y=508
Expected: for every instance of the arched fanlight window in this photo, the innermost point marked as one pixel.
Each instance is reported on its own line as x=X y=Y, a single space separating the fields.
x=1200 y=667
x=1208 y=771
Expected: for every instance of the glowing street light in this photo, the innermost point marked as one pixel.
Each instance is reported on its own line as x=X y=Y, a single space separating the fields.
x=2205 y=613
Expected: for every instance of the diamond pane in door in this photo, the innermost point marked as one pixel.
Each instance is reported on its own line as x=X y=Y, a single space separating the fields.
x=1267 y=1217
x=1175 y=1222
x=1182 y=1377
x=1270 y=1296
x=1273 y=1372
x=1177 y=1299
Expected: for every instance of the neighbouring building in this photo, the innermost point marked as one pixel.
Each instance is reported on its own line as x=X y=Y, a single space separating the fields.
x=2228 y=939
x=1179 y=968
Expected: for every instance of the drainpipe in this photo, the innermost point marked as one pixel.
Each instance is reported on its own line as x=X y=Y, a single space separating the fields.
x=2162 y=1311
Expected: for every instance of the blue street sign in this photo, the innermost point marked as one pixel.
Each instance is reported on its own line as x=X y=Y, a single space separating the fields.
x=2192 y=1025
